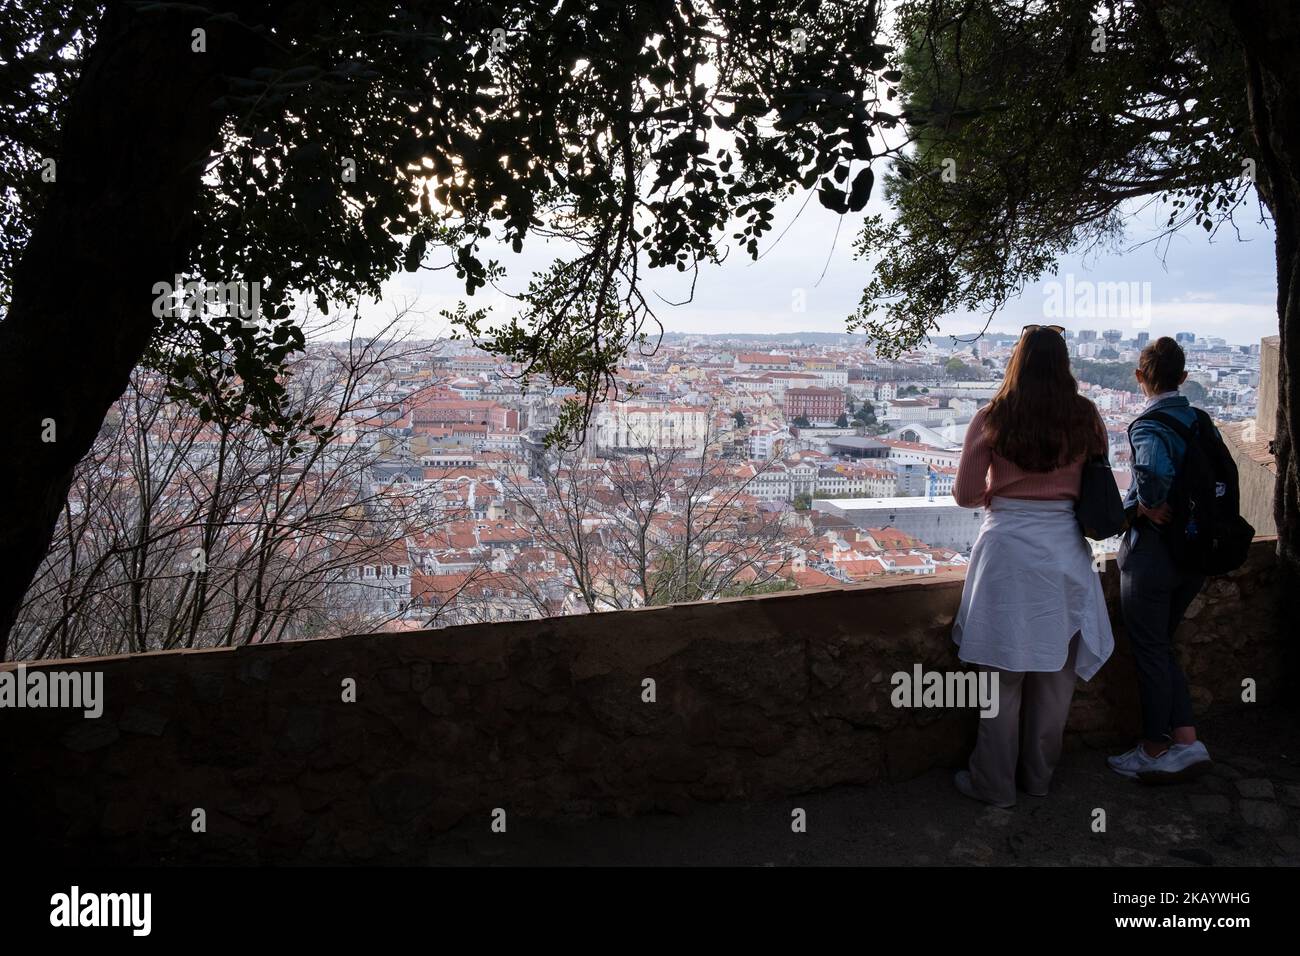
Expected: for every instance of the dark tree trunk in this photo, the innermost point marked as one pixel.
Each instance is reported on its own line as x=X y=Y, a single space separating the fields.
x=120 y=216
x=1270 y=36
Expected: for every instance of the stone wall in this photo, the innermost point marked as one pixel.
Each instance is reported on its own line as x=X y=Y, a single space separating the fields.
x=1256 y=473
x=1270 y=358
x=1250 y=443
x=755 y=698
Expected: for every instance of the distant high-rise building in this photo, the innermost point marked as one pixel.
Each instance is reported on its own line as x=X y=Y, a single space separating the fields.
x=1112 y=336
x=1185 y=338
x=1087 y=335
x=1142 y=339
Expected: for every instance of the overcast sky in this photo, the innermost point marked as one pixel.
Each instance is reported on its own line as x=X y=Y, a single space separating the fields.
x=1223 y=286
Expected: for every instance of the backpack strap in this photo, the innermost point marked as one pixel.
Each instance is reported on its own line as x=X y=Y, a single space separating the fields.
x=1204 y=423
x=1173 y=424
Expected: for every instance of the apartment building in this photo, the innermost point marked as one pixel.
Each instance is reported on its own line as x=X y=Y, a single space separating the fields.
x=818 y=405
x=618 y=426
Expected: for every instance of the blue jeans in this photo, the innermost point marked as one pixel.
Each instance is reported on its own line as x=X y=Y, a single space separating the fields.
x=1154 y=595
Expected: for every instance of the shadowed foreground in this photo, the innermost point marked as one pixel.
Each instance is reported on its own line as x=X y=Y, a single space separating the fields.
x=1246 y=813
x=755 y=701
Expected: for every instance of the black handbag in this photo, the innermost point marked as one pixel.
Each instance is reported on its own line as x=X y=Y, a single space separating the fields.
x=1100 y=508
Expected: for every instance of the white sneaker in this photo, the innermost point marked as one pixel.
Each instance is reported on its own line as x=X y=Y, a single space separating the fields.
x=1179 y=762
x=1132 y=762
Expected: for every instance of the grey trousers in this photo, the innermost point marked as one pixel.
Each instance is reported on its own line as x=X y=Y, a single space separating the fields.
x=1026 y=733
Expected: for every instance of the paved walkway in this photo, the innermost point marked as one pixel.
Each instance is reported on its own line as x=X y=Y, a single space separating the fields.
x=1245 y=813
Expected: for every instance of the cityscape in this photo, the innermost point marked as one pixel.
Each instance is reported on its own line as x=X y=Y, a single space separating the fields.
x=596 y=435
x=727 y=465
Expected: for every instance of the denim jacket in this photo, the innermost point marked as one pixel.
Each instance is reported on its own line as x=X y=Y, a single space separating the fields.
x=1157 y=451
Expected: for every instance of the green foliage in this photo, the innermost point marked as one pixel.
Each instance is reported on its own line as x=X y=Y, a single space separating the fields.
x=842 y=421
x=369 y=137
x=801 y=421
x=1119 y=376
x=1115 y=375
x=229 y=372
x=956 y=368
x=1027 y=142
x=802 y=501
x=770 y=586
x=40 y=56
x=365 y=138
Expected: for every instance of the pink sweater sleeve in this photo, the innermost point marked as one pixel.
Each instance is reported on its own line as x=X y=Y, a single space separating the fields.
x=972 y=478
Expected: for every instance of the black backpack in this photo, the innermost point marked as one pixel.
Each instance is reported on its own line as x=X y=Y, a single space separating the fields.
x=1207 y=534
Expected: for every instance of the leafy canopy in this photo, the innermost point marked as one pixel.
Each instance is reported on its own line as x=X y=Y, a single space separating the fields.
x=365 y=137
x=1032 y=124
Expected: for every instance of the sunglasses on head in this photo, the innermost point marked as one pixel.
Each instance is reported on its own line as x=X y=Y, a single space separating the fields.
x=1058 y=329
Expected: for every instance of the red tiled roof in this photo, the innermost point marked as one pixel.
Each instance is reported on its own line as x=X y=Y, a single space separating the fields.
x=813 y=579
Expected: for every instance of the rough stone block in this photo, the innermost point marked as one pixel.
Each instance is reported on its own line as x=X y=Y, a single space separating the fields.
x=1256 y=789
x=1263 y=814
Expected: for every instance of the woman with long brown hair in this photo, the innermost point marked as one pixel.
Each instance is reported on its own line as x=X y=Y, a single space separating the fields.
x=1032 y=609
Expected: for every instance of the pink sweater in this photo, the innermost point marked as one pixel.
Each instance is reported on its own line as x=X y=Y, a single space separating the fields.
x=982 y=473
